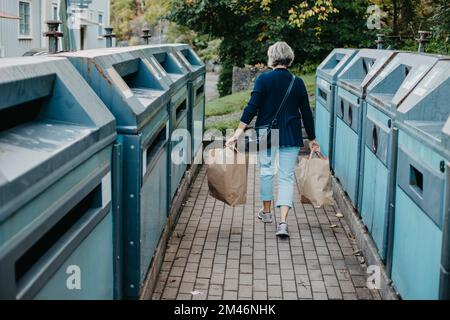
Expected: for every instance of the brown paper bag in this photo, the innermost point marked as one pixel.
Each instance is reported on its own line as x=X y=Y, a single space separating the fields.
x=315 y=180
x=227 y=175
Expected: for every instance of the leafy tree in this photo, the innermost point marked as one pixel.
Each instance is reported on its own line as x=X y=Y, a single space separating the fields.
x=406 y=17
x=122 y=12
x=248 y=27
x=154 y=10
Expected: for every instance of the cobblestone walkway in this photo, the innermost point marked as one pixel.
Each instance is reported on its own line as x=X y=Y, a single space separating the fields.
x=220 y=252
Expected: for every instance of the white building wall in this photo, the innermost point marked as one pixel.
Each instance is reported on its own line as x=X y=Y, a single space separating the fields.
x=47 y=14
x=89 y=21
x=11 y=44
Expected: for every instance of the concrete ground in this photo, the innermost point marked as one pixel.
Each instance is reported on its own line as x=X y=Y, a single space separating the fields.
x=220 y=252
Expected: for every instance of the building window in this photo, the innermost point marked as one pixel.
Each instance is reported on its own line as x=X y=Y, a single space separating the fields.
x=100 y=25
x=25 y=19
x=55 y=12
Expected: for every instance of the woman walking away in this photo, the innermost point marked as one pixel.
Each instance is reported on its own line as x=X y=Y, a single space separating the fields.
x=271 y=88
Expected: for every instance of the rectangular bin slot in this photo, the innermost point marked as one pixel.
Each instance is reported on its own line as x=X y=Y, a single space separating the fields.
x=32 y=256
x=416 y=179
x=14 y=116
x=406 y=71
x=200 y=91
x=367 y=65
x=137 y=75
x=169 y=63
x=24 y=100
x=191 y=58
x=155 y=146
x=180 y=110
x=333 y=62
x=323 y=94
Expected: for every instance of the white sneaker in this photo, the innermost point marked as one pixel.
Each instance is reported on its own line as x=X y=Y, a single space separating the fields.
x=265 y=217
x=282 y=230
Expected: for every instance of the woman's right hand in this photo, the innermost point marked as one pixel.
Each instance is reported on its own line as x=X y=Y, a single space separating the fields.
x=314 y=146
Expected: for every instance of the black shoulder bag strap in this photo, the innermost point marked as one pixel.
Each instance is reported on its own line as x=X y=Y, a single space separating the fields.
x=267 y=128
x=281 y=107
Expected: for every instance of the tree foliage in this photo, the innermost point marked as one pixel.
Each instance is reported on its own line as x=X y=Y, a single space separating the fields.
x=122 y=13
x=312 y=27
x=404 y=19
x=248 y=27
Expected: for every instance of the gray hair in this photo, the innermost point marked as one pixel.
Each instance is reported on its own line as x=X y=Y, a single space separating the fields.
x=280 y=54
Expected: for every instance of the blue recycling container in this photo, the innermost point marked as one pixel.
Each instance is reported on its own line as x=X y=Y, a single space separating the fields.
x=133 y=87
x=420 y=192
x=57 y=220
x=384 y=96
x=196 y=87
x=326 y=78
x=173 y=70
x=350 y=102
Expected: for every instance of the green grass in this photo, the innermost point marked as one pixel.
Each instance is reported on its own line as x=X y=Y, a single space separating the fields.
x=310 y=82
x=228 y=104
x=223 y=125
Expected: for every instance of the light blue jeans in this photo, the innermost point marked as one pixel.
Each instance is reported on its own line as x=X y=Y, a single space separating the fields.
x=286 y=160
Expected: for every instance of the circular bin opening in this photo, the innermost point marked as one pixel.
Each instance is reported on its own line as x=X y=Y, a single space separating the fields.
x=342 y=108
x=350 y=115
x=374 y=139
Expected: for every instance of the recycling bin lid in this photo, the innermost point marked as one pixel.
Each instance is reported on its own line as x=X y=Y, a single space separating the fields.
x=50 y=122
x=393 y=84
x=130 y=84
x=362 y=69
x=189 y=58
x=425 y=111
x=334 y=63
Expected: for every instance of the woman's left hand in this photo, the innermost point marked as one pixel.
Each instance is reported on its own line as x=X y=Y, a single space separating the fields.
x=232 y=141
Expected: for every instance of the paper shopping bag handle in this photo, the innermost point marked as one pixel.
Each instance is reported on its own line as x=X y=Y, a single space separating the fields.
x=317 y=153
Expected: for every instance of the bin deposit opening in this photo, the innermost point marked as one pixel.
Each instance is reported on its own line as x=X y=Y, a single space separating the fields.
x=137 y=75
x=19 y=114
x=333 y=62
x=39 y=251
x=374 y=139
x=156 y=145
x=323 y=94
x=191 y=58
x=200 y=91
x=169 y=63
x=416 y=179
x=180 y=110
x=367 y=65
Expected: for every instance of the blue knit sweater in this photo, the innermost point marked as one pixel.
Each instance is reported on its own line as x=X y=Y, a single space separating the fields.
x=268 y=92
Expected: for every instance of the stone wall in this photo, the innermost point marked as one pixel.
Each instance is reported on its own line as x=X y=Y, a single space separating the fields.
x=244 y=78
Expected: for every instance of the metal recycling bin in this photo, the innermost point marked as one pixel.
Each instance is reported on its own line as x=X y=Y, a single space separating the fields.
x=420 y=191
x=133 y=88
x=56 y=215
x=196 y=87
x=173 y=70
x=326 y=78
x=350 y=102
x=384 y=95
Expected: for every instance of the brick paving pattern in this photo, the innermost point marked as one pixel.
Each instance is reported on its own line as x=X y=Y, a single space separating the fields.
x=220 y=252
